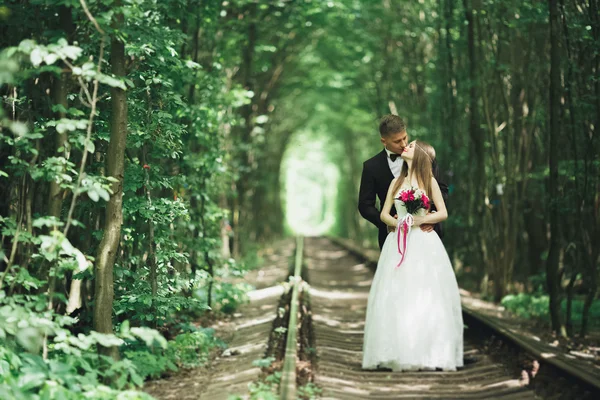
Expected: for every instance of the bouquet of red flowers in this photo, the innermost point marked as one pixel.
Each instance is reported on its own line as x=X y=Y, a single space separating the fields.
x=414 y=199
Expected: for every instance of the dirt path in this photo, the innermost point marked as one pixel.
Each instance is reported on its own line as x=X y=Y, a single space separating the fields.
x=339 y=290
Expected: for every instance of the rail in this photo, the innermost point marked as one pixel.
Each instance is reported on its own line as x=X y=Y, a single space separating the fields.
x=287 y=386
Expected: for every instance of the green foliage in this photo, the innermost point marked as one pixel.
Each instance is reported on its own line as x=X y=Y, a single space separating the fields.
x=263 y=362
x=266 y=389
x=190 y=350
x=309 y=391
x=537 y=306
x=223 y=100
x=228 y=297
x=71 y=369
x=528 y=306
x=157 y=310
x=282 y=330
x=150 y=364
x=183 y=98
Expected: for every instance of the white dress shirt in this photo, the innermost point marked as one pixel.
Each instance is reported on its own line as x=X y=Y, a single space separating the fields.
x=395 y=166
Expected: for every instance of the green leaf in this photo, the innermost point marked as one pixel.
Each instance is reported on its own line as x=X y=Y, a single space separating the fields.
x=77 y=223
x=50 y=221
x=50 y=58
x=106 y=340
x=104 y=194
x=124 y=329
x=93 y=195
x=19 y=128
x=122 y=381
x=137 y=380
x=149 y=336
x=112 y=82
x=89 y=146
x=71 y=52
x=31 y=339
x=36 y=56
x=59 y=108
x=31 y=380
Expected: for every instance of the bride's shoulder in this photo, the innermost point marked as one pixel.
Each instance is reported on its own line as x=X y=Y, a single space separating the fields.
x=434 y=182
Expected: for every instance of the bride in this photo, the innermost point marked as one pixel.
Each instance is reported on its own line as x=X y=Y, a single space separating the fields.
x=414 y=319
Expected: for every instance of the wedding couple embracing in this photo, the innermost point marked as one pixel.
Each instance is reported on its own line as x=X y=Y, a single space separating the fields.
x=414 y=319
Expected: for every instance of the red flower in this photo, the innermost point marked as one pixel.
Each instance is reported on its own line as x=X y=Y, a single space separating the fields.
x=146 y=166
x=425 y=200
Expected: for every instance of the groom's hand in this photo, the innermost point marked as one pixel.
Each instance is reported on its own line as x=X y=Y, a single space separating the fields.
x=392 y=228
x=427 y=228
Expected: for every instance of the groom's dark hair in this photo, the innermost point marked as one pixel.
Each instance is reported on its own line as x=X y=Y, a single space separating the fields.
x=390 y=124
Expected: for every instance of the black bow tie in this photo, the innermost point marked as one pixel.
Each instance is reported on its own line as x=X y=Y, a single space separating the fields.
x=393 y=157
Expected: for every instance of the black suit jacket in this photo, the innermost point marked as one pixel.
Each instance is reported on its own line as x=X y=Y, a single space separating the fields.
x=375 y=181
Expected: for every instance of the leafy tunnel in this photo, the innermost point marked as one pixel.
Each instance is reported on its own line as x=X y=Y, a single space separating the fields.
x=148 y=149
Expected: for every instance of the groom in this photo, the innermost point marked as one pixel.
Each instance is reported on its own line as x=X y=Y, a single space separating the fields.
x=380 y=170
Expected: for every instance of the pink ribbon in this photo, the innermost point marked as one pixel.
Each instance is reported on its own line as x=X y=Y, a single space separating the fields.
x=403 y=230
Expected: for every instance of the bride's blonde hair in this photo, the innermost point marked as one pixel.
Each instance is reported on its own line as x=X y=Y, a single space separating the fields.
x=421 y=167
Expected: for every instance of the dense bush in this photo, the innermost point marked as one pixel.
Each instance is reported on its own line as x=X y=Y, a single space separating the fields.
x=59 y=83
x=537 y=306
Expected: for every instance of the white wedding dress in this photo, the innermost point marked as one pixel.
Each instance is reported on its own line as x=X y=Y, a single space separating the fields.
x=414 y=319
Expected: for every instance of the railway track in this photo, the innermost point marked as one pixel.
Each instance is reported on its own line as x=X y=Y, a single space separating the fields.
x=501 y=363
x=340 y=284
x=324 y=324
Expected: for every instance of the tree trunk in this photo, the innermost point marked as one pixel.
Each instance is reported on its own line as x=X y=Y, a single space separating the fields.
x=477 y=138
x=593 y=226
x=552 y=265
x=450 y=80
x=569 y=316
x=241 y=211
x=151 y=245
x=225 y=229
x=60 y=92
x=537 y=243
x=107 y=251
x=207 y=259
x=55 y=198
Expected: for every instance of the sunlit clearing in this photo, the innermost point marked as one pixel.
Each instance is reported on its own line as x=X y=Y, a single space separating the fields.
x=310 y=186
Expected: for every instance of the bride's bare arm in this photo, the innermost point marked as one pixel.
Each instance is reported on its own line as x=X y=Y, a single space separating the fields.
x=385 y=215
x=438 y=200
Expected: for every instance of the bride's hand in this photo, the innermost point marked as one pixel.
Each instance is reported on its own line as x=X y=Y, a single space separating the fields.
x=418 y=220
